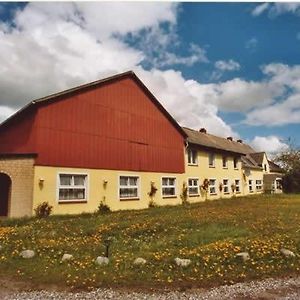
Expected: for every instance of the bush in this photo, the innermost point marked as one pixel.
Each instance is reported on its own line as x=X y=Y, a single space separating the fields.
x=43 y=210
x=103 y=208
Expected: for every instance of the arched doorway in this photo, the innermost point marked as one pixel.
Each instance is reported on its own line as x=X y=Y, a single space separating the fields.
x=5 y=186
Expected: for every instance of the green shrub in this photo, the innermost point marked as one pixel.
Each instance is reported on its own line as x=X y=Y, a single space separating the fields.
x=43 y=210
x=103 y=208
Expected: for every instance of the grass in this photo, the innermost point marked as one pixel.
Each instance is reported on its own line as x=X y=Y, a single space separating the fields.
x=209 y=233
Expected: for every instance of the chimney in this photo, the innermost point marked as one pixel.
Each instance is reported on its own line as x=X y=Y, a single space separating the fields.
x=229 y=138
x=240 y=141
x=202 y=130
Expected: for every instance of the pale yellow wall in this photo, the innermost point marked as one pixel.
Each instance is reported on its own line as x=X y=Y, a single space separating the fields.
x=97 y=190
x=203 y=171
x=265 y=162
x=253 y=174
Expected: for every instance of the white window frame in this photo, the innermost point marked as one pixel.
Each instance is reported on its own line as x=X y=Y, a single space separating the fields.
x=215 y=186
x=250 y=190
x=226 y=185
x=58 y=187
x=237 y=185
x=192 y=151
x=169 y=186
x=213 y=161
x=134 y=186
x=225 y=158
x=259 y=186
x=193 y=186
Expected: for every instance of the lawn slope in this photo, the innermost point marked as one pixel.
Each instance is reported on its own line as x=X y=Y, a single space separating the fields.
x=209 y=233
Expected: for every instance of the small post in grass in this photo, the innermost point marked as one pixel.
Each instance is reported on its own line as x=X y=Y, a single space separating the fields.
x=107 y=243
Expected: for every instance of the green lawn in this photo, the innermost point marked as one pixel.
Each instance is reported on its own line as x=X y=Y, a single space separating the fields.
x=209 y=233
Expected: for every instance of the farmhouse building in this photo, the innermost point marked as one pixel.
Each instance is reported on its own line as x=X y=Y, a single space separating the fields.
x=112 y=141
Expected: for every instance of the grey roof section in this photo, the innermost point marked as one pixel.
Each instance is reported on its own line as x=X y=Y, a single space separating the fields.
x=216 y=142
x=274 y=167
x=258 y=157
x=249 y=162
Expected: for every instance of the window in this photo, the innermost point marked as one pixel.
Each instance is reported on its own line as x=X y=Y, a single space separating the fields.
x=258 y=185
x=211 y=159
x=237 y=186
x=235 y=162
x=128 y=187
x=168 y=186
x=224 y=161
x=212 y=186
x=193 y=186
x=265 y=167
x=226 y=186
x=192 y=157
x=72 y=187
x=250 y=182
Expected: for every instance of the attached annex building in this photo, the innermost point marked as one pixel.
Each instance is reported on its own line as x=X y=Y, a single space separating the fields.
x=112 y=141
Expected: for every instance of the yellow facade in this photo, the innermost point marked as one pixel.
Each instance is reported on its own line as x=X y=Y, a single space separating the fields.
x=103 y=185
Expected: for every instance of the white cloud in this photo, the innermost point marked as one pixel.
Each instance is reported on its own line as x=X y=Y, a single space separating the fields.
x=5 y=112
x=187 y=100
x=259 y=9
x=223 y=66
x=57 y=46
x=270 y=144
x=229 y=65
x=251 y=44
x=276 y=9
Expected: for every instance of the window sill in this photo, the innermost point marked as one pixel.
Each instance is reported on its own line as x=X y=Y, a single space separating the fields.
x=195 y=195
x=129 y=199
x=227 y=193
x=213 y=194
x=72 y=201
x=236 y=169
x=193 y=165
x=225 y=168
x=168 y=197
x=211 y=166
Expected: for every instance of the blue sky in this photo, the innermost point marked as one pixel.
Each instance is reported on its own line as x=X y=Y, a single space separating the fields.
x=230 y=67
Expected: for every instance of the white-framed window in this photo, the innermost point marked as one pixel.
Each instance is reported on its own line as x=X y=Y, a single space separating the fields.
x=237 y=183
x=128 y=187
x=211 y=160
x=168 y=185
x=72 y=187
x=225 y=162
x=193 y=186
x=250 y=185
x=258 y=185
x=212 y=186
x=226 y=186
x=192 y=157
x=235 y=162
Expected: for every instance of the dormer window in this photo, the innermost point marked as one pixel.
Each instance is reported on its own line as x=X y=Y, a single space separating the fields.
x=192 y=157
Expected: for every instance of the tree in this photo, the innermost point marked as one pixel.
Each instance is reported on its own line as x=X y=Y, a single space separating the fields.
x=289 y=160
